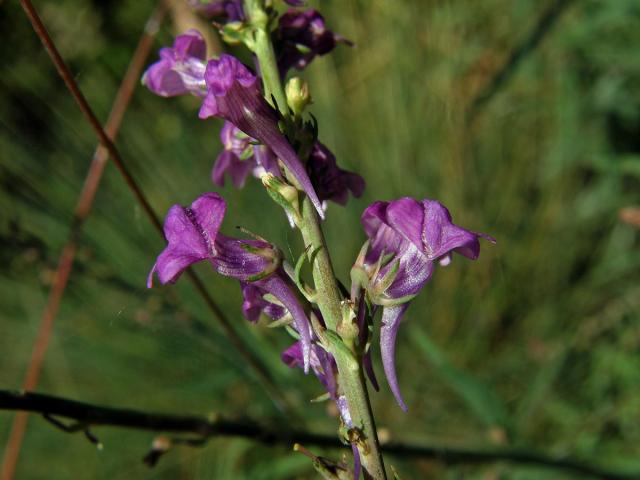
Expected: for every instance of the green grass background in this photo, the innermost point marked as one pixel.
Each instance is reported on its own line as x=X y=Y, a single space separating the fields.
x=536 y=344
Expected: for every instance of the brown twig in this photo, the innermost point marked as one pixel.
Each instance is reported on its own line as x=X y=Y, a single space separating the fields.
x=105 y=150
x=139 y=195
x=544 y=25
x=82 y=210
x=84 y=416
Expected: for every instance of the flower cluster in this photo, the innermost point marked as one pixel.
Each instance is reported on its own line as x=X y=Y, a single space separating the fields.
x=252 y=139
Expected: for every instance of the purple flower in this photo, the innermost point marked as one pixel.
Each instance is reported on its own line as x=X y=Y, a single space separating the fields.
x=254 y=304
x=241 y=157
x=322 y=364
x=301 y=36
x=229 y=9
x=234 y=94
x=236 y=159
x=407 y=238
x=193 y=235
x=180 y=69
x=330 y=181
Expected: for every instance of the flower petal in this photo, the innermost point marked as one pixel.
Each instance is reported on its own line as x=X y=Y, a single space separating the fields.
x=234 y=94
x=441 y=235
x=277 y=287
x=242 y=259
x=191 y=233
x=181 y=68
x=405 y=216
x=391 y=318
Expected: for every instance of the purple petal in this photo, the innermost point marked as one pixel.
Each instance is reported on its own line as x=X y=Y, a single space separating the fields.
x=231 y=10
x=221 y=74
x=440 y=235
x=254 y=304
x=357 y=466
x=305 y=29
x=234 y=94
x=330 y=181
x=180 y=69
x=229 y=163
x=191 y=233
x=277 y=287
x=391 y=318
x=265 y=161
x=372 y=217
x=371 y=373
x=413 y=273
x=406 y=216
x=292 y=356
x=234 y=260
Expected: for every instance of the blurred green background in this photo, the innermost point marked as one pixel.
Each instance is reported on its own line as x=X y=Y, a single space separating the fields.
x=536 y=344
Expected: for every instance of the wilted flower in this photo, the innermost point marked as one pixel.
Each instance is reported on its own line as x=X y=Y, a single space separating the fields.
x=193 y=236
x=406 y=238
x=329 y=180
x=234 y=94
x=180 y=69
x=301 y=35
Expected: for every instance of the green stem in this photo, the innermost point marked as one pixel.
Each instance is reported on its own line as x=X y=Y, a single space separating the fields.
x=351 y=377
x=329 y=299
x=263 y=48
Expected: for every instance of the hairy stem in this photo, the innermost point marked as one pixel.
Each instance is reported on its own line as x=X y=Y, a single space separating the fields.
x=329 y=299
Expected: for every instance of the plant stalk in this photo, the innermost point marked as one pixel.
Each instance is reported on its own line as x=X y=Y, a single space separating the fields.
x=352 y=381
x=351 y=375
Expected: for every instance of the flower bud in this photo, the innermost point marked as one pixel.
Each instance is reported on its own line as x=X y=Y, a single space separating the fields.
x=298 y=96
x=283 y=194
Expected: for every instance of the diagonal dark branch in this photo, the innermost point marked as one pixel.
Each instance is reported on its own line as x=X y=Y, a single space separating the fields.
x=262 y=373
x=544 y=24
x=85 y=415
x=83 y=208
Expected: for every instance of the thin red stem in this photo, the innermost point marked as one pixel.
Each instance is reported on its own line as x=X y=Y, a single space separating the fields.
x=82 y=211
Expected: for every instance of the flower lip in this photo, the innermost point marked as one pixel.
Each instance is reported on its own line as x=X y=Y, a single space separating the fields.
x=191 y=234
x=221 y=74
x=427 y=225
x=181 y=68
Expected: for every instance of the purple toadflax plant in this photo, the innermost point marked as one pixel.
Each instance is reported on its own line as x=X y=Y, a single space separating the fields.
x=265 y=134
